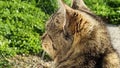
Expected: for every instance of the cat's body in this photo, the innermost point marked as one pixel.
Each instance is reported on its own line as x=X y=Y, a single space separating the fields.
x=76 y=38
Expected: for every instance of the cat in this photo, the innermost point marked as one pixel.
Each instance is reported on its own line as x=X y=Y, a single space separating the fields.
x=77 y=38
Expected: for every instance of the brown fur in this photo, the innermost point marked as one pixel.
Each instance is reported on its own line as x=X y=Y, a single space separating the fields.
x=77 y=38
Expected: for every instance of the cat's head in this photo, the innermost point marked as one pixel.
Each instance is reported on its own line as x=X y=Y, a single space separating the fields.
x=63 y=26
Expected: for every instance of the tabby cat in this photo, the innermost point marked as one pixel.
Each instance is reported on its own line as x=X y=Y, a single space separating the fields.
x=77 y=38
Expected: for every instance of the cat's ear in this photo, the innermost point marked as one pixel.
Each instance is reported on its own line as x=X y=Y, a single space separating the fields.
x=67 y=12
x=65 y=9
x=62 y=7
x=79 y=4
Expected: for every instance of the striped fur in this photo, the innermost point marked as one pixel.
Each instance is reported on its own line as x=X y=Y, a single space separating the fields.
x=77 y=38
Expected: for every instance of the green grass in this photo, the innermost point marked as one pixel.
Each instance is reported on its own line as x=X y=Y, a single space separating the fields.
x=22 y=23
x=108 y=9
x=21 y=26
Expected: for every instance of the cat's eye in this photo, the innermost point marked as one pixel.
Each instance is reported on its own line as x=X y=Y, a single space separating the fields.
x=66 y=35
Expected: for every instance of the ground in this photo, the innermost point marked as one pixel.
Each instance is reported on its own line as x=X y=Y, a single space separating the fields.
x=115 y=36
x=36 y=62
x=24 y=61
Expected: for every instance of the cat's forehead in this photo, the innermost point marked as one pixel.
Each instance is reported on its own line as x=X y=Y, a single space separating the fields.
x=55 y=22
x=57 y=15
x=56 y=18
